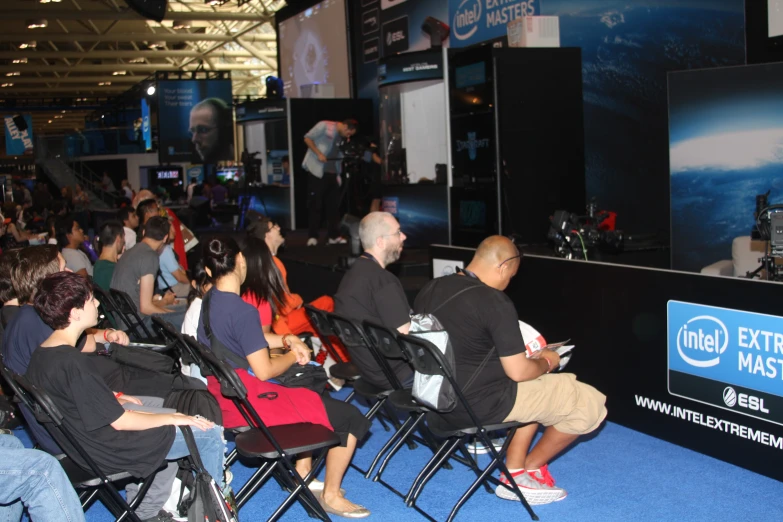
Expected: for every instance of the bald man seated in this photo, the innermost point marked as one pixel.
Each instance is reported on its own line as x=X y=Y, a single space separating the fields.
x=483 y=325
x=369 y=292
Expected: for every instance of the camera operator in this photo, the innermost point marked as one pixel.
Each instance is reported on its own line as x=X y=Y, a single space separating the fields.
x=323 y=162
x=361 y=159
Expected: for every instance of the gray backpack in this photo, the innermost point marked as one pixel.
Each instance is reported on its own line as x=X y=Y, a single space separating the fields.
x=435 y=391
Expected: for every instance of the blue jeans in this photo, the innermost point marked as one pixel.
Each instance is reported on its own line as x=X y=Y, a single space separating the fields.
x=211 y=448
x=36 y=480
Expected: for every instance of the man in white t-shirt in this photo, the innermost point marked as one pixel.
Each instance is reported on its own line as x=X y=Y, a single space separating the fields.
x=129 y=222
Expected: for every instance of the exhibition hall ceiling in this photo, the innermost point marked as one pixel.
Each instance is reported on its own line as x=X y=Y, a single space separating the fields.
x=91 y=49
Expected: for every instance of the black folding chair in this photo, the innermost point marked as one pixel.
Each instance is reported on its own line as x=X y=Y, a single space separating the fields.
x=273 y=445
x=353 y=338
x=342 y=369
x=383 y=342
x=137 y=330
x=90 y=482
x=428 y=360
x=108 y=308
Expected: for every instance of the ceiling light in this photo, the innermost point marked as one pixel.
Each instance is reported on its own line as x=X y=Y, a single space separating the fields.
x=15 y=73
x=37 y=23
x=156 y=45
x=119 y=73
x=101 y=84
x=63 y=112
x=150 y=90
x=215 y=2
x=20 y=60
x=181 y=24
x=136 y=60
x=7 y=85
x=48 y=1
x=28 y=45
x=50 y=121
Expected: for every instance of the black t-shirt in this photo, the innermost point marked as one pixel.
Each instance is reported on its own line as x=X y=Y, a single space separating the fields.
x=477 y=320
x=368 y=292
x=89 y=407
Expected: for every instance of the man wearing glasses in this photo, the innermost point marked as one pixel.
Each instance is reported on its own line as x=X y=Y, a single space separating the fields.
x=211 y=130
x=506 y=385
x=369 y=292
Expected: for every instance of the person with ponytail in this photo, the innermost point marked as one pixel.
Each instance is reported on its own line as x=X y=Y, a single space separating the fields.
x=232 y=329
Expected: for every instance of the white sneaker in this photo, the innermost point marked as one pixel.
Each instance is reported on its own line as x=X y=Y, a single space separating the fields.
x=312 y=241
x=476 y=447
x=534 y=491
x=339 y=240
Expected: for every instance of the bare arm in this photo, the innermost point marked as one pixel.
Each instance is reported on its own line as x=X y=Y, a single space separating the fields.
x=146 y=304
x=519 y=368
x=404 y=329
x=136 y=421
x=181 y=276
x=266 y=367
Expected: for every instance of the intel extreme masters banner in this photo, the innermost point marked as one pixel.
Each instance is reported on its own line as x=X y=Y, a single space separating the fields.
x=475 y=21
x=727 y=358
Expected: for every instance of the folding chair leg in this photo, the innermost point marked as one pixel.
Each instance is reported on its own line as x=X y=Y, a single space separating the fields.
x=88 y=497
x=350 y=396
x=301 y=492
x=230 y=459
x=253 y=484
x=416 y=419
x=472 y=489
x=433 y=469
x=387 y=445
x=442 y=449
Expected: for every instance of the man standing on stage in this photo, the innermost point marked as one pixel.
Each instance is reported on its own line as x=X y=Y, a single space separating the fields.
x=323 y=162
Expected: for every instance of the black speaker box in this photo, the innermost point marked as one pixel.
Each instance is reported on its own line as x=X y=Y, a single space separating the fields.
x=152 y=9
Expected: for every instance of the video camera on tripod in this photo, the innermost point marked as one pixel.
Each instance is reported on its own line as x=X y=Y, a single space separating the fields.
x=575 y=236
x=768 y=227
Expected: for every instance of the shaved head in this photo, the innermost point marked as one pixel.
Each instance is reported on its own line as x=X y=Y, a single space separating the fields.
x=494 y=250
x=496 y=262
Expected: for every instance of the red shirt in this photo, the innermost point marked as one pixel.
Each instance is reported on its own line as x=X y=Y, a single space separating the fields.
x=263 y=306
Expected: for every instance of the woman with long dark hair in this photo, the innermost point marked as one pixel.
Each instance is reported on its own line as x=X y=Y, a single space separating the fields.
x=237 y=335
x=263 y=283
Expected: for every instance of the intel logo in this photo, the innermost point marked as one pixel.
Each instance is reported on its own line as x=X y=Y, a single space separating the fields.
x=466 y=19
x=729 y=396
x=702 y=340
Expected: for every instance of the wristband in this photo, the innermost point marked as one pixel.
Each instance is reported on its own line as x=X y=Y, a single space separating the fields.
x=286 y=344
x=548 y=364
x=106 y=333
x=117 y=395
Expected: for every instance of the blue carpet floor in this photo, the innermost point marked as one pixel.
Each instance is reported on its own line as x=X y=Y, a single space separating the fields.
x=617 y=475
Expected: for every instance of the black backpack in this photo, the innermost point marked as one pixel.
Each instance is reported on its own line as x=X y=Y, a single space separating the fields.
x=205 y=501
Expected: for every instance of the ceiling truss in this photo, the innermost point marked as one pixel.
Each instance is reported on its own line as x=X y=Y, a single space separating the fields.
x=99 y=48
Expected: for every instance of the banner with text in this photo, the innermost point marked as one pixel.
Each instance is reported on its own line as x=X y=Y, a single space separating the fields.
x=726 y=358
x=475 y=21
x=195 y=121
x=146 y=130
x=18 y=135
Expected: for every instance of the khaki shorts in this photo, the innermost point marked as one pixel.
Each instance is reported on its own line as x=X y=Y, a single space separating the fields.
x=561 y=401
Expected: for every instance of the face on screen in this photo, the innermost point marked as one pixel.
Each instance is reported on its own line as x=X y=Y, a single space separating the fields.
x=204 y=132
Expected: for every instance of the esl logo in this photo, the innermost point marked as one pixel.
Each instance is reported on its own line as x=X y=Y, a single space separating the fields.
x=750 y=402
x=396 y=36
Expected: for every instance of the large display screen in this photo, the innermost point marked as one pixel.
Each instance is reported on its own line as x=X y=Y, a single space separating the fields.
x=313 y=48
x=195 y=121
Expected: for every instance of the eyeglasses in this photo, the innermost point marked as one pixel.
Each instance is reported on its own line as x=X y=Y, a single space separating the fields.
x=201 y=129
x=399 y=231
x=509 y=259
